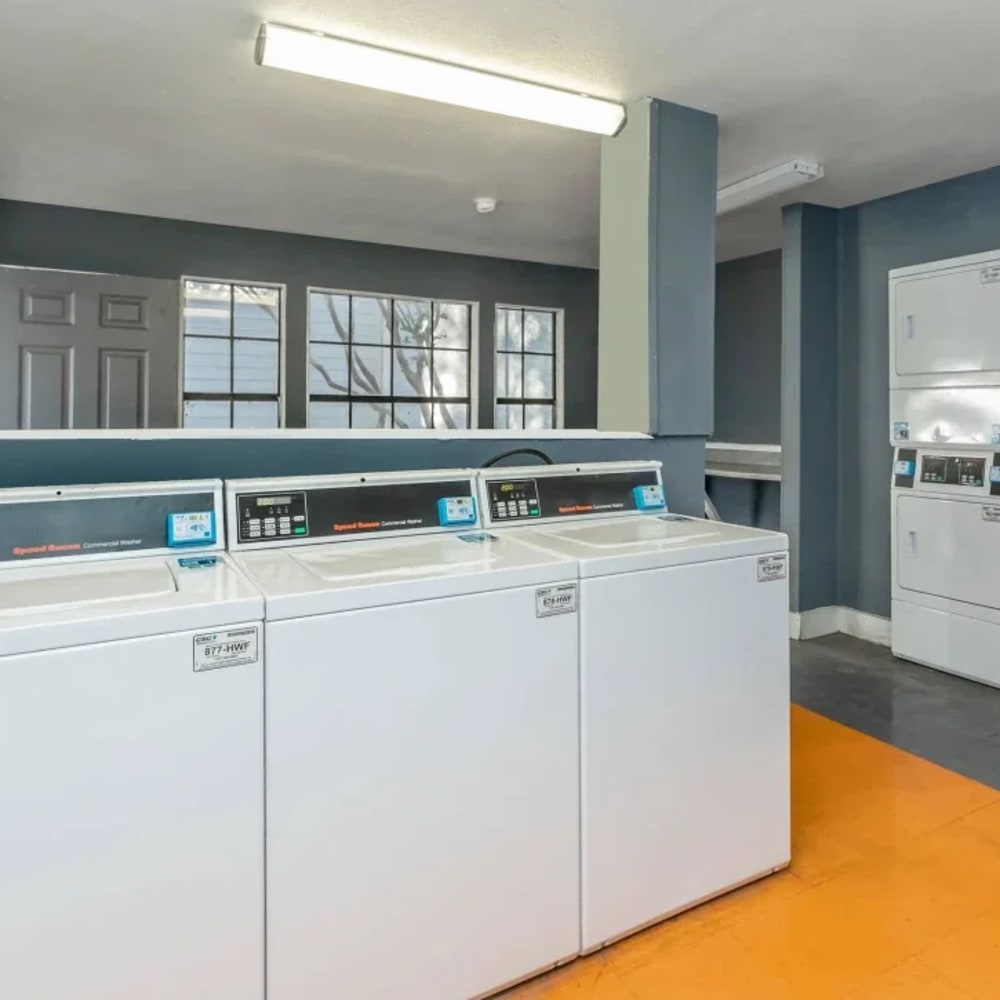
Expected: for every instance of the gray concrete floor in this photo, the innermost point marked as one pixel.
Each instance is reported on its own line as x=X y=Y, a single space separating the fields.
x=944 y=719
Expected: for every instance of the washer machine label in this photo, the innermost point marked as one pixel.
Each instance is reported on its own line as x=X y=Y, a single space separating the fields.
x=991 y=514
x=235 y=647
x=560 y=600
x=770 y=568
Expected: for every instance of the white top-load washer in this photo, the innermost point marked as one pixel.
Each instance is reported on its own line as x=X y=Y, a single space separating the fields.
x=131 y=748
x=946 y=559
x=422 y=739
x=684 y=671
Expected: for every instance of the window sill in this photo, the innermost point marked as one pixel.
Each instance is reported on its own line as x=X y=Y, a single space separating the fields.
x=296 y=433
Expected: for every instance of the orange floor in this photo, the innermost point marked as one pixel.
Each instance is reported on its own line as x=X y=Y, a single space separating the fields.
x=893 y=892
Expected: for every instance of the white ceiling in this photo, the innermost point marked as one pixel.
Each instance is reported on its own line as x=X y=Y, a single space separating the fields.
x=158 y=108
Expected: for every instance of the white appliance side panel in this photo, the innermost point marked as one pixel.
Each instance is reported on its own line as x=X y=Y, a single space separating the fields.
x=955 y=643
x=685 y=739
x=947 y=548
x=423 y=798
x=947 y=324
x=132 y=839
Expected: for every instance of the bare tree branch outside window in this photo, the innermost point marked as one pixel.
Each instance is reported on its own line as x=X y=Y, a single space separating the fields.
x=412 y=347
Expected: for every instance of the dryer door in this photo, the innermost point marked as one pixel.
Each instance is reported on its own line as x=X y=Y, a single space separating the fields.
x=949 y=548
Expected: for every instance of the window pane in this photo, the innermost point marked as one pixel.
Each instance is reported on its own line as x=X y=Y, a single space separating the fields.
x=411 y=372
x=509 y=417
x=370 y=415
x=451 y=373
x=509 y=375
x=206 y=366
x=451 y=325
x=539 y=332
x=207 y=307
x=538 y=417
x=206 y=413
x=413 y=323
x=255 y=366
x=370 y=370
x=412 y=415
x=537 y=377
x=371 y=320
x=328 y=369
x=329 y=317
x=451 y=415
x=508 y=329
x=255 y=414
x=329 y=414
x=256 y=312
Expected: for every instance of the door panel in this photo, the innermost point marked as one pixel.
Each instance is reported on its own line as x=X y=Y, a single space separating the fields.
x=947 y=323
x=124 y=381
x=948 y=548
x=46 y=387
x=87 y=350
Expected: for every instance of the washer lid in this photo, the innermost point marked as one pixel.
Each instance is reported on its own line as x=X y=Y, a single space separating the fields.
x=46 y=606
x=649 y=541
x=340 y=576
x=57 y=588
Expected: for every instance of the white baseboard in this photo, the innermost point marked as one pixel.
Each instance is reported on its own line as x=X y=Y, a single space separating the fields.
x=828 y=621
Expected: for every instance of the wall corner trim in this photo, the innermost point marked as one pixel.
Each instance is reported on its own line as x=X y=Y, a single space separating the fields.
x=829 y=621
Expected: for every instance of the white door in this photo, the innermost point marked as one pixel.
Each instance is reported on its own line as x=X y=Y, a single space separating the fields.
x=132 y=829
x=422 y=799
x=684 y=739
x=948 y=548
x=87 y=350
x=948 y=323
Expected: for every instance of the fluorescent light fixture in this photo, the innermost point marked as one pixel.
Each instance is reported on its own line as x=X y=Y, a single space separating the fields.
x=315 y=54
x=777 y=180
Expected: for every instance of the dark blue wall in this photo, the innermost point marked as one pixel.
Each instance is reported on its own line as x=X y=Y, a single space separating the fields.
x=76 y=239
x=46 y=462
x=748 y=350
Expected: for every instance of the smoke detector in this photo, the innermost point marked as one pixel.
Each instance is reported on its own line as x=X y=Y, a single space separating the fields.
x=484 y=206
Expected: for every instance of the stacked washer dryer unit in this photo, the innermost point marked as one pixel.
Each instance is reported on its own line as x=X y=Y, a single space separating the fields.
x=684 y=664
x=422 y=739
x=944 y=392
x=131 y=748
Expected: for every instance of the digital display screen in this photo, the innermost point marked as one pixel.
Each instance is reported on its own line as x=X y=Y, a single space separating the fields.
x=273 y=501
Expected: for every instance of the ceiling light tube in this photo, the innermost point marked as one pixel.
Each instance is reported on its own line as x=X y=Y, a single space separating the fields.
x=777 y=180
x=282 y=47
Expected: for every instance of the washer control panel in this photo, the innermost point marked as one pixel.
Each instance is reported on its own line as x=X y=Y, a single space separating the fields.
x=273 y=515
x=514 y=500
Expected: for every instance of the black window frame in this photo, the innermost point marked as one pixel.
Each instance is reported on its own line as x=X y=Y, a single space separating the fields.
x=232 y=396
x=523 y=401
x=392 y=399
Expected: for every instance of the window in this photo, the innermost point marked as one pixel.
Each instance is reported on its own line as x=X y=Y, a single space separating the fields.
x=232 y=354
x=527 y=368
x=382 y=361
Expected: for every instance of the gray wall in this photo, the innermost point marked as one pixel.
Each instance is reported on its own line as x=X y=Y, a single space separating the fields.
x=77 y=239
x=956 y=217
x=50 y=462
x=748 y=349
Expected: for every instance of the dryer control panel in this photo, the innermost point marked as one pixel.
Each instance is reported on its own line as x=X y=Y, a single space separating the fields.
x=954 y=473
